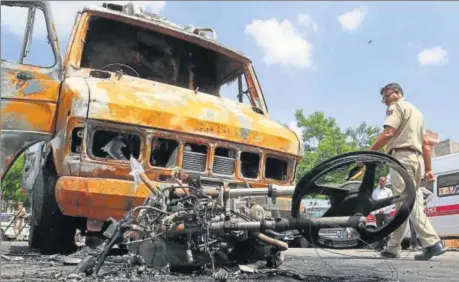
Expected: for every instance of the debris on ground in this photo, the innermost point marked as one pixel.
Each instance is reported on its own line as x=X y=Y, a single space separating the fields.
x=130 y=267
x=11 y=258
x=71 y=261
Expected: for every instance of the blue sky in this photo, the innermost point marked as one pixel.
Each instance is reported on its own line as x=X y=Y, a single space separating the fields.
x=315 y=56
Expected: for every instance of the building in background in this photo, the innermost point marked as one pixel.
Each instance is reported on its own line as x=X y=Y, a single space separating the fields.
x=445 y=147
x=441 y=148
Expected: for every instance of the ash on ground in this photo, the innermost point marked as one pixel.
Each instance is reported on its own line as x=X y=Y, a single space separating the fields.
x=130 y=267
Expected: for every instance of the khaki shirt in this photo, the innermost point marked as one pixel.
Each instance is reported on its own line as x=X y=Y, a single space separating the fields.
x=409 y=123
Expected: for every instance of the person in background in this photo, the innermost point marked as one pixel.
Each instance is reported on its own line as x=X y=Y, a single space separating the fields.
x=80 y=240
x=427 y=195
x=382 y=215
x=20 y=214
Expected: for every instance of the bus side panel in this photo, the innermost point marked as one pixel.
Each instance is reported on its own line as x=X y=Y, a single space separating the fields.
x=443 y=209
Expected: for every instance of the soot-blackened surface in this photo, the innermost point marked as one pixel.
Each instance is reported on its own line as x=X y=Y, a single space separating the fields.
x=28 y=265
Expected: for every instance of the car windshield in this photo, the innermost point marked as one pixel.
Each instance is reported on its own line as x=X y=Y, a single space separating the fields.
x=116 y=46
x=6 y=217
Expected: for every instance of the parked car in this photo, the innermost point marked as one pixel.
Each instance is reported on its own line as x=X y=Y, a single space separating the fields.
x=7 y=227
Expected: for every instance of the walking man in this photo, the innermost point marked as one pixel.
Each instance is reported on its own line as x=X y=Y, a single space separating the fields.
x=382 y=215
x=403 y=137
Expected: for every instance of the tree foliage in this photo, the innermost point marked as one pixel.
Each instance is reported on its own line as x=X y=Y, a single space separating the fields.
x=11 y=184
x=323 y=139
x=363 y=136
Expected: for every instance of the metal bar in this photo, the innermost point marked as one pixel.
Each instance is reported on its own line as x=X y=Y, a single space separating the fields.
x=239 y=192
x=277 y=225
x=25 y=49
x=276 y=191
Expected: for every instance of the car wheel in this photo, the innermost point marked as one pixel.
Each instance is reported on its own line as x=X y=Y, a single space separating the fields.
x=50 y=230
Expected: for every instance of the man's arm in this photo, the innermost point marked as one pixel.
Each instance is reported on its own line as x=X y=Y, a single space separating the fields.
x=391 y=124
x=383 y=138
x=426 y=154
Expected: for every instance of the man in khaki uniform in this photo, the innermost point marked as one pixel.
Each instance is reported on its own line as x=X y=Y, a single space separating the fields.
x=404 y=136
x=20 y=215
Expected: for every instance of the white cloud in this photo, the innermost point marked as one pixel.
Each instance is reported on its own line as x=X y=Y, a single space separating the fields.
x=306 y=21
x=433 y=56
x=14 y=19
x=281 y=42
x=351 y=20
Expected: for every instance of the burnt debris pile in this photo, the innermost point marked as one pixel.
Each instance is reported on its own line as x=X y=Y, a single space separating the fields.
x=185 y=226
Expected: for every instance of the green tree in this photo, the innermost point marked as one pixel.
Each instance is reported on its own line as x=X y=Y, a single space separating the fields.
x=323 y=139
x=363 y=136
x=11 y=184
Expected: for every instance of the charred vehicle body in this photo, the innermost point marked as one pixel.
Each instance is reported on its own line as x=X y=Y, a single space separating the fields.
x=133 y=83
x=135 y=90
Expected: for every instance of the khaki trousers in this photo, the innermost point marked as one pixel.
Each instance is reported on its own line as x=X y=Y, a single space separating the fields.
x=419 y=220
x=17 y=228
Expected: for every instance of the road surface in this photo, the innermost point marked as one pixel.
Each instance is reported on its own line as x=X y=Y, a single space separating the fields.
x=308 y=264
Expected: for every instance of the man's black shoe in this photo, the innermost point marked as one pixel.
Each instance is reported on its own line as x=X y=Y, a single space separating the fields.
x=431 y=251
x=387 y=254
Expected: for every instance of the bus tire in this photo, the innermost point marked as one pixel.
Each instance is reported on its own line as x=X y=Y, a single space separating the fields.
x=53 y=232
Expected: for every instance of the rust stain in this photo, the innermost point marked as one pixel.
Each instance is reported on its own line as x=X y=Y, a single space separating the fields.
x=91 y=166
x=177 y=109
x=75 y=50
x=32 y=116
x=97 y=200
x=28 y=105
x=40 y=88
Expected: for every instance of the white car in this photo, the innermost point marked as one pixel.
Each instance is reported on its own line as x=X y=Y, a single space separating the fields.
x=7 y=228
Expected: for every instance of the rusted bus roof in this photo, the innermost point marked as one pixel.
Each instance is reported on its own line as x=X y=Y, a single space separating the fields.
x=162 y=23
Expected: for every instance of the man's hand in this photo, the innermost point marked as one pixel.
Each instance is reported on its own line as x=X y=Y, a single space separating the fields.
x=358 y=174
x=429 y=176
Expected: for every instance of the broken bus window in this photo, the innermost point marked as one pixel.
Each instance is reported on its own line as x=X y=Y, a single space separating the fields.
x=115 y=145
x=164 y=152
x=36 y=48
x=250 y=163
x=276 y=168
x=150 y=55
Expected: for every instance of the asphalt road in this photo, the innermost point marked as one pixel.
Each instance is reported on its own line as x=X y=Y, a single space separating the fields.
x=307 y=264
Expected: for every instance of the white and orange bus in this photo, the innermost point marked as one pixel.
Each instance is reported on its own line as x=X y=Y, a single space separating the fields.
x=443 y=208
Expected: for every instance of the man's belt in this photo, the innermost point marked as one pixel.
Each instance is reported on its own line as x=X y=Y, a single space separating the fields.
x=409 y=149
